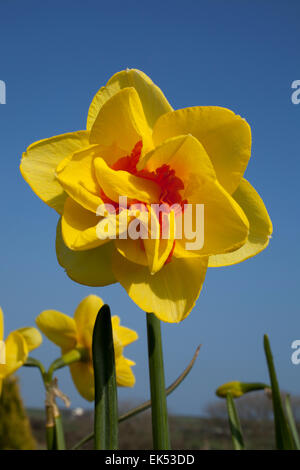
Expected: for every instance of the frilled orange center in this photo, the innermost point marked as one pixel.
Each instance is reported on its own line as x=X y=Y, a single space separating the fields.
x=164 y=177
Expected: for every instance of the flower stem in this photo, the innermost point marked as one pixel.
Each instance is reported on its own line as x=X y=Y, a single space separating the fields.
x=234 y=424
x=147 y=404
x=160 y=426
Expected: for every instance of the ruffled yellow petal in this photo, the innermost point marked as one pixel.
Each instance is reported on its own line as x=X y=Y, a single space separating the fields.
x=32 y=337
x=91 y=267
x=124 y=374
x=1 y=324
x=83 y=378
x=121 y=183
x=133 y=250
x=77 y=176
x=59 y=328
x=158 y=249
x=225 y=136
x=260 y=227
x=225 y=226
x=16 y=352
x=39 y=162
x=153 y=100
x=121 y=121
x=79 y=227
x=85 y=317
x=171 y=293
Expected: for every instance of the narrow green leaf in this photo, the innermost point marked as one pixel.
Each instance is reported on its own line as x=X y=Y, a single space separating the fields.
x=234 y=424
x=147 y=404
x=160 y=425
x=283 y=436
x=106 y=405
x=292 y=422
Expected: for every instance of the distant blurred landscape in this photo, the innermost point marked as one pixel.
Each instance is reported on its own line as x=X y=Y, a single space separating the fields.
x=210 y=432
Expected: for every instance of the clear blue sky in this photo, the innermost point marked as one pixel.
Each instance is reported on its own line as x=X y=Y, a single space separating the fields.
x=243 y=55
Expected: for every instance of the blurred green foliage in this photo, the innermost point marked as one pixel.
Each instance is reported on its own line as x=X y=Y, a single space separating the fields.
x=15 y=430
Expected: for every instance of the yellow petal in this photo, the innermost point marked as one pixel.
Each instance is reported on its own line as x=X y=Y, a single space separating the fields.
x=59 y=328
x=125 y=335
x=1 y=382
x=79 y=227
x=1 y=324
x=260 y=227
x=32 y=337
x=133 y=250
x=124 y=374
x=91 y=267
x=225 y=224
x=16 y=352
x=225 y=136
x=153 y=100
x=85 y=317
x=121 y=183
x=226 y=227
x=158 y=249
x=121 y=121
x=122 y=336
x=39 y=164
x=83 y=378
x=77 y=176
x=171 y=293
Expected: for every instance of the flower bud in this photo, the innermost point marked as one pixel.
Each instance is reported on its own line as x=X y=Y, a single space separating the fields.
x=237 y=389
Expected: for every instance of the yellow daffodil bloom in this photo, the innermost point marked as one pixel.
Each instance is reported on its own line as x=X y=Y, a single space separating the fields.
x=15 y=349
x=137 y=146
x=70 y=333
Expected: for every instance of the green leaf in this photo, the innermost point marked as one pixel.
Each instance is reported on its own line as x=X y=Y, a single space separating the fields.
x=106 y=405
x=291 y=420
x=234 y=424
x=283 y=436
x=160 y=426
x=147 y=404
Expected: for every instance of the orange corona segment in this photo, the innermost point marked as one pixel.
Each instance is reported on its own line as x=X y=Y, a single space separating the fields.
x=165 y=177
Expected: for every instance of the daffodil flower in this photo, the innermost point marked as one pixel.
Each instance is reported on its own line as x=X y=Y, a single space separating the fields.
x=70 y=333
x=136 y=146
x=238 y=389
x=15 y=349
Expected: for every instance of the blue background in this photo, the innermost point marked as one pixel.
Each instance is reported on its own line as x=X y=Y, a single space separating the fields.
x=243 y=55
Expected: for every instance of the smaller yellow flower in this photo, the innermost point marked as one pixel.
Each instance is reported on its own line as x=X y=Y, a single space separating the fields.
x=15 y=349
x=69 y=333
x=237 y=389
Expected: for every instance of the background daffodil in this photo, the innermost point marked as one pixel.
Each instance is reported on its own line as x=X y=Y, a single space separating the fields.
x=137 y=146
x=15 y=349
x=70 y=333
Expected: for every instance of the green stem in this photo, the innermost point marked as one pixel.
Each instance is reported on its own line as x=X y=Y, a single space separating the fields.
x=50 y=436
x=59 y=434
x=147 y=404
x=284 y=440
x=234 y=424
x=160 y=426
x=291 y=420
